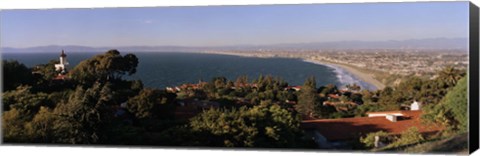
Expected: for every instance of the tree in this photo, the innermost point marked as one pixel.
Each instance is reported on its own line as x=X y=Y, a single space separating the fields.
x=450 y=75
x=219 y=82
x=369 y=139
x=105 y=67
x=150 y=103
x=408 y=137
x=40 y=129
x=266 y=125
x=24 y=100
x=241 y=81
x=344 y=99
x=354 y=87
x=13 y=126
x=46 y=71
x=307 y=97
x=15 y=74
x=390 y=99
x=80 y=118
x=329 y=89
x=452 y=110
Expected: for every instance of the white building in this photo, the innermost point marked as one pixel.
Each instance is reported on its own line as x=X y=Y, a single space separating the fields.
x=62 y=66
x=415 y=105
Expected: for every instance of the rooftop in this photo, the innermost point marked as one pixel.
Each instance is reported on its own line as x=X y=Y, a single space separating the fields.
x=353 y=128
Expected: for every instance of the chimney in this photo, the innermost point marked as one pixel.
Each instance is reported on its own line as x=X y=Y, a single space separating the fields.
x=391 y=117
x=415 y=106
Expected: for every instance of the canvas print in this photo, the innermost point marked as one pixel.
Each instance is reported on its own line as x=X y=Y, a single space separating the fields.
x=359 y=77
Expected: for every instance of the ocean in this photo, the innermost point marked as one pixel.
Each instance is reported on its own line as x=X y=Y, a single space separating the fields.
x=163 y=69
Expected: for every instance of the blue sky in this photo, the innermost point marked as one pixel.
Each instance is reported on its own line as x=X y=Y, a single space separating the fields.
x=233 y=25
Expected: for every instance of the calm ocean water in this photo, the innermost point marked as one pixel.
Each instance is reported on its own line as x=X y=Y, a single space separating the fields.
x=159 y=70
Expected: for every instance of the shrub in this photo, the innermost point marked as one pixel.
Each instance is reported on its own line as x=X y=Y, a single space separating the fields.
x=369 y=140
x=408 y=137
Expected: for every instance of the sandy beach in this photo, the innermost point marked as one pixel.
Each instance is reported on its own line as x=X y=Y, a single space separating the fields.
x=363 y=76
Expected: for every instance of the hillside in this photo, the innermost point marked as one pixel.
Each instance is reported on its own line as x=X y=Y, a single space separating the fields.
x=457 y=144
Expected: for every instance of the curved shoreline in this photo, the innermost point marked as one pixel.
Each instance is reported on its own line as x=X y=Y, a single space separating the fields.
x=368 y=78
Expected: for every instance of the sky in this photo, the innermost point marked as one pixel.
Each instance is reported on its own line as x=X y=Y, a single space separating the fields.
x=233 y=25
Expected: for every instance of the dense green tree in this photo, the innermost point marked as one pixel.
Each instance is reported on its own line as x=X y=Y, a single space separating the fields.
x=15 y=74
x=13 y=129
x=46 y=71
x=368 y=97
x=344 y=98
x=40 y=129
x=24 y=100
x=408 y=137
x=151 y=103
x=357 y=98
x=219 y=82
x=450 y=75
x=80 y=119
x=452 y=110
x=241 y=81
x=307 y=97
x=390 y=99
x=266 y=125
x=108 y=66
x=329 y=89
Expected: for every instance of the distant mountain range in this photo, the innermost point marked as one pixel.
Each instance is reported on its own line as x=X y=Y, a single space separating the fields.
x=431 y=43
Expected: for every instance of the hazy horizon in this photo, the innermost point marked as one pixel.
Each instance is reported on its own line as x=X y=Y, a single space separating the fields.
x=214 y=26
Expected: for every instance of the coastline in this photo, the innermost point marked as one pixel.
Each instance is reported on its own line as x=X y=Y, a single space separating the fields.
x=368 y=78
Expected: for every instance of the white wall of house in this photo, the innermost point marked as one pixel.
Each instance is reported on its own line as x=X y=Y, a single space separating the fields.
x=391 y=117
x=384 y=114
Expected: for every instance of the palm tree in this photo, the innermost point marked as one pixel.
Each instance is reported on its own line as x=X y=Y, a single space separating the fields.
x=450 y=75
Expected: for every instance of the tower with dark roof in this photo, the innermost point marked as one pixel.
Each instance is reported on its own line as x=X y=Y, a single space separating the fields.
x=62 y=66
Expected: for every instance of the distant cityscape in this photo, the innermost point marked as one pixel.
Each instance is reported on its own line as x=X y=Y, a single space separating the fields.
x=391 y=61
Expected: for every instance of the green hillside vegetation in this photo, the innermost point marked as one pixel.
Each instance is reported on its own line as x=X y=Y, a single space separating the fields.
x=457 y=144
x=451 y=112
x=96 y=105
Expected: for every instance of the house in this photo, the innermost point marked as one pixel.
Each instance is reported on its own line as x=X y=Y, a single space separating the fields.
x=171 y=89
x=334 y=133
x=333 y=96
x=293 y=88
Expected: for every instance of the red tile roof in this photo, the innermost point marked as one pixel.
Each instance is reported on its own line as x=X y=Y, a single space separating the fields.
x=353 y=128
x=59 y=77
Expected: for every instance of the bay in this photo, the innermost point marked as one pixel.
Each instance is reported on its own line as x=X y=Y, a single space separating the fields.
x=162 y=69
